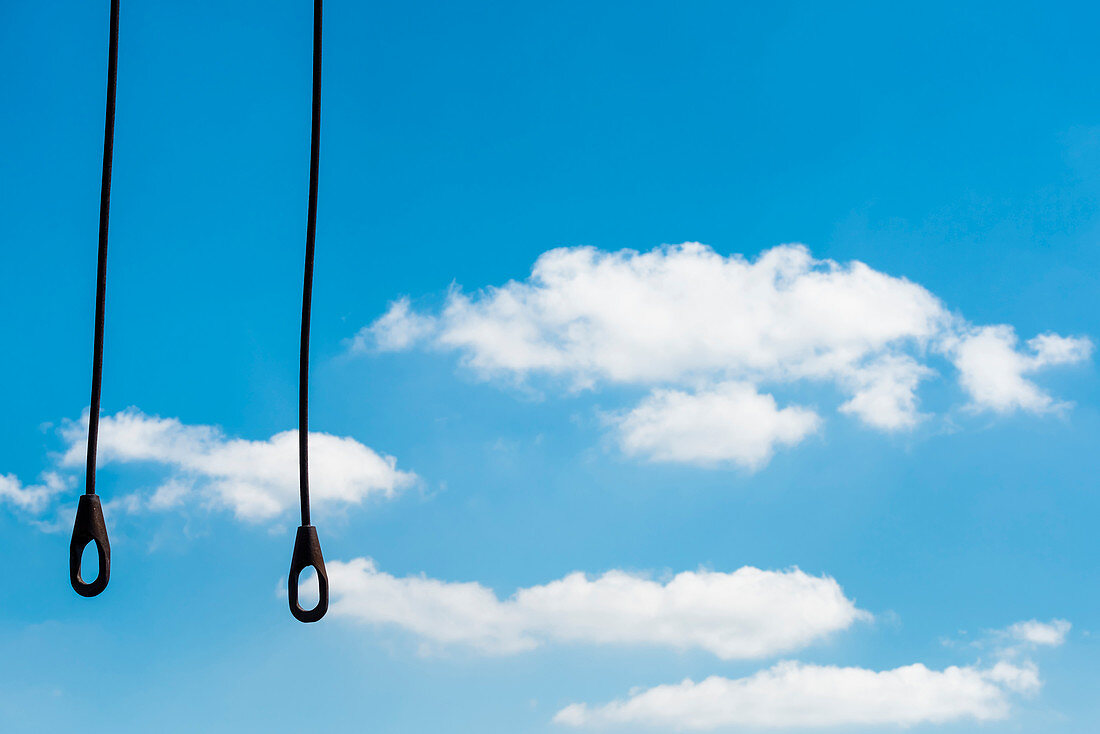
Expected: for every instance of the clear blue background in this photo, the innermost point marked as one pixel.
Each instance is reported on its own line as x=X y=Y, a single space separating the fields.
x=959 y=147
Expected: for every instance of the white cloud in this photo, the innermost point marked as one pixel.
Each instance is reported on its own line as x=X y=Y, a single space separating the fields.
x=886 y=392
x=1019 y=678
x=437 y=611
x=170 y=494
x=685 y=316
x=749 y=613
x=398 y=329
x=992 y=369
x=1034 y=632
x=674 y=311
x=731 y=422
x=796 y=695
x=257 y=480
x=33 y=498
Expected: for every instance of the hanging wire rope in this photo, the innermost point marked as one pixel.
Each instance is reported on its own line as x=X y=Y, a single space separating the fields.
x=307 y=547
x=89 y=526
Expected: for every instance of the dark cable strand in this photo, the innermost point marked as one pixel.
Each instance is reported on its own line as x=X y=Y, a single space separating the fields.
x=101 y=273
x=307 y=287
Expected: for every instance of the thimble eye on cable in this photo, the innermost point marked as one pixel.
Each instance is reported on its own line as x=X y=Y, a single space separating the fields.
x=307 y=548
x=89 y=526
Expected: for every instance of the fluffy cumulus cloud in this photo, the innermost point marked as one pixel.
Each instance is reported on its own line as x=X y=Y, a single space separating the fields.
x=685 y=317
x=256 y=480
x=730 y=422
x=993 y=370
x=749 y=613
x=679 y=311
x=884 y=392
x=796 y=695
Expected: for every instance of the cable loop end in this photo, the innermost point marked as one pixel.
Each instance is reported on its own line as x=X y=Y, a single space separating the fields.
x=307 y=553
x=89 y=528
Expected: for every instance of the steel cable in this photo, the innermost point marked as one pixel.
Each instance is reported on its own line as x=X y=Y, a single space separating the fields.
x=89 y=525
x=307 y=548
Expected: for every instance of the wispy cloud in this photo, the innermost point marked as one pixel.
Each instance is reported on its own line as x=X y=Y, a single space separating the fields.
x=33 y=498
x=1037 y=634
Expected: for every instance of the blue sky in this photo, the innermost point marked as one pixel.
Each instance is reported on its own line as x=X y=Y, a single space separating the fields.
x=864 y=466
